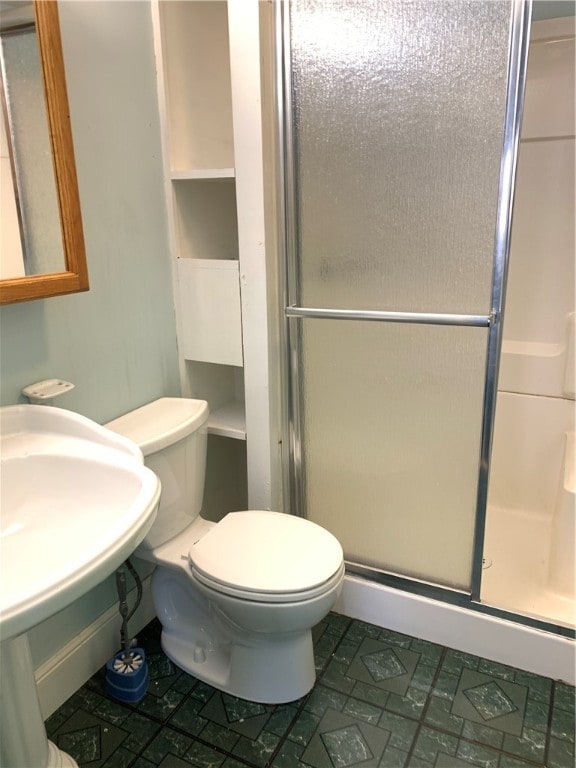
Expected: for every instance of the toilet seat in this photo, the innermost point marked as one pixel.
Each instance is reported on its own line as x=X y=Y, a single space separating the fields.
x=267 y=557
x=283 y=598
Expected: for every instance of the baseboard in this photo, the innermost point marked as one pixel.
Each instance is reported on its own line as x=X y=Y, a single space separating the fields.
x=539 y=652
x=68 y=669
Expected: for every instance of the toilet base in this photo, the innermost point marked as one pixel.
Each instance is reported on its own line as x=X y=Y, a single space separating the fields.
x=257 y=651
x=274 y=672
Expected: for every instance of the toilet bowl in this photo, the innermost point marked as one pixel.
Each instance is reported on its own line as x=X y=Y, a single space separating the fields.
x=236 y=599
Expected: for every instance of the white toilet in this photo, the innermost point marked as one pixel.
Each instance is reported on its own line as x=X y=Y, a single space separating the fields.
x=236 y=599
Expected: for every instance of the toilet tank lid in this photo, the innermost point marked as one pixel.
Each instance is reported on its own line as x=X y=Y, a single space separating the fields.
x=161 y=423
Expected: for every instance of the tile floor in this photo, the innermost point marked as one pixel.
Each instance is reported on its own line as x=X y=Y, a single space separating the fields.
x=381 y=699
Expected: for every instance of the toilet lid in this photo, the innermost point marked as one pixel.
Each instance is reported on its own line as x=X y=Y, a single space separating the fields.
x=267 y=552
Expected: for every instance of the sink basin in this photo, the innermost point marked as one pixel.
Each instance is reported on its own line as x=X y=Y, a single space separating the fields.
x=76 y=500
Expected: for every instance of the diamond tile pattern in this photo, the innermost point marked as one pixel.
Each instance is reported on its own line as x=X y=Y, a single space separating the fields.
x=382 y=700
x=497 y=703
x=490 y=701
x=346 y=746
x=384 y=665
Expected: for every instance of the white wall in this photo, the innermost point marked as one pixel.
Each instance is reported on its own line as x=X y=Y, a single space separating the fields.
x=540 y=294
x=535 y=404
x=117 y=342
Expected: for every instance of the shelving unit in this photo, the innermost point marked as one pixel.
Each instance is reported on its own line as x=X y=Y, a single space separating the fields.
x=209 y=98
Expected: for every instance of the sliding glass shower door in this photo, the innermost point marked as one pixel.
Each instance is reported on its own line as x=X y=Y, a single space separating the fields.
x=395 y=119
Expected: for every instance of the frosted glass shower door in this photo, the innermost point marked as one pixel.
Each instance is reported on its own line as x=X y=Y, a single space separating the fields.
x=392 y=418
x=394 y=131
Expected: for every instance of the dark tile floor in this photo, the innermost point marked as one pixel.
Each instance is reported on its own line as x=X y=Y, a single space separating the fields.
x=381 y=699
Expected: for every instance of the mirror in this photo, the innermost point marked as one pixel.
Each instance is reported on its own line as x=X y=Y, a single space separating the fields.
x=48 y=224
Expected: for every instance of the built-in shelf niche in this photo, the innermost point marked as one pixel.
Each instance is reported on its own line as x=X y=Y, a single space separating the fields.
x=226 y=484
x=223 y=387
x=198 y=88
x=206 y=218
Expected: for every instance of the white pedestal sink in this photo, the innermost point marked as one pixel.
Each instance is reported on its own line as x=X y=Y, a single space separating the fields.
x=76 y=501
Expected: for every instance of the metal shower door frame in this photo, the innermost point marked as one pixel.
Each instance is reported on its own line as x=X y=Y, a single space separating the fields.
x=294 y=312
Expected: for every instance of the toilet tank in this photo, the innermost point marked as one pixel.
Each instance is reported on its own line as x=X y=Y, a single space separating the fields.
x=171 y=433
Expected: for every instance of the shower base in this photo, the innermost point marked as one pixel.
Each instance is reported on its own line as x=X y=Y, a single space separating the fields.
x=489 y=637
x=518 y=543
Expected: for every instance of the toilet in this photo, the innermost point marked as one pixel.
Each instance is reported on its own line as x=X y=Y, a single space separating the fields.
x=237 y=599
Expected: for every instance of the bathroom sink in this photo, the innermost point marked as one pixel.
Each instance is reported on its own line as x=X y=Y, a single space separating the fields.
x=75 y=499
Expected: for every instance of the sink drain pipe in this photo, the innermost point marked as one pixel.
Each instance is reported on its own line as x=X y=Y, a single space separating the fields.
x=127 y=671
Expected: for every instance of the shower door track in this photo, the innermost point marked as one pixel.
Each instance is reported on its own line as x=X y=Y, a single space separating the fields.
x=454 y=597
x=286 y=188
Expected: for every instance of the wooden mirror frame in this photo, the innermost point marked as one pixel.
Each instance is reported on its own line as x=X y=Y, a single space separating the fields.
x=75 y=277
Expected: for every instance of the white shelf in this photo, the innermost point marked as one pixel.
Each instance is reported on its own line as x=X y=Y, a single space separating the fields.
x=190 y=174
x=228 y=421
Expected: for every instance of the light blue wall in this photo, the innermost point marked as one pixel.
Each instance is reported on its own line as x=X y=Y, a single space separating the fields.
x=117 y=342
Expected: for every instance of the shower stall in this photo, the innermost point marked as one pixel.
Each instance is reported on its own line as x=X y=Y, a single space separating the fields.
x=530 y=547
x=398 y=135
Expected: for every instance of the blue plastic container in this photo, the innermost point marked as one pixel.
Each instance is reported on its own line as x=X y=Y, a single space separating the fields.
x=127 y=686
